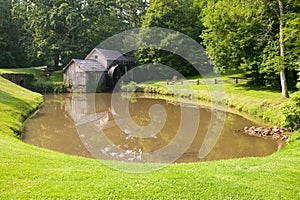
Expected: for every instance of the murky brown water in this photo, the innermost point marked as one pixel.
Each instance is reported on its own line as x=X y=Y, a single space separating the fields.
x=98 y=130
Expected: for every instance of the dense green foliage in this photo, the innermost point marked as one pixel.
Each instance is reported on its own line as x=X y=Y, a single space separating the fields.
x=291 y=112
x=231 y=26
x=239 y=35
x=10 y=52
x=130 y=87
x=181 y=16
x=29 y=172
x=292 y=34
x=52 y=32
x=244 y=35
x=42 y=85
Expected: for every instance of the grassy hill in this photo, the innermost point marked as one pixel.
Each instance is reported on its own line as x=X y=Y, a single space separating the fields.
x=29 y=172
x=38 y=81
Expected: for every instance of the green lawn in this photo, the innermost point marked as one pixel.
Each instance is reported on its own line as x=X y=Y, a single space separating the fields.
x=56 y=76
x=34 y=71
x=28 y=172
x=40 y=82
x=261 y=103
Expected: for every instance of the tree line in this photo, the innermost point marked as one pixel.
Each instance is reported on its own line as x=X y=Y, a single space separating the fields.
x=260 y=38
x=49 y=32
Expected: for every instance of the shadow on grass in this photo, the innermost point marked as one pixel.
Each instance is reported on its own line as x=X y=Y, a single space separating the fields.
x=13 y=102
x=249 y=87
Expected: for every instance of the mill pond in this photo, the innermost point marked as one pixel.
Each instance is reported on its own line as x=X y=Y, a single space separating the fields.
x=73 y=123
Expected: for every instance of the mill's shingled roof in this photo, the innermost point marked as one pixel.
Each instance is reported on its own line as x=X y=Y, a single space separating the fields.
x=111 y=54
x=88 y=65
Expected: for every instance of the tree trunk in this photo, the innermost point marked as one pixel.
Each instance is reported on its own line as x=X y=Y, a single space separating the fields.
x=56 y=61
x=283 y=81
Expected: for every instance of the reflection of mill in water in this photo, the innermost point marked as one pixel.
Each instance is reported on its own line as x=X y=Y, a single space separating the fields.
x=98 y=126
x=108 y=134
x=92 y=117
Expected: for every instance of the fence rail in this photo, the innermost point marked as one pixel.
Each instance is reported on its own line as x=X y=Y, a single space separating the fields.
x=233 y=80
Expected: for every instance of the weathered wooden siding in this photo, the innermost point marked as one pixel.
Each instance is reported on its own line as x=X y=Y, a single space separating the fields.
x=79 y=108
x=95 y=55
x=75 y=77
x=80 y=81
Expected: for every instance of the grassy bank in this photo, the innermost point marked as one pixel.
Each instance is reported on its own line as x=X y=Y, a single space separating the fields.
x=33 y=71
x=261 y=103
x=16 y=103
x=39 y=81
x=28 y=172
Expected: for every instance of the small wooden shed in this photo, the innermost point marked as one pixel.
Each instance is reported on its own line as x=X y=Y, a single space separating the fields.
x=83 y=75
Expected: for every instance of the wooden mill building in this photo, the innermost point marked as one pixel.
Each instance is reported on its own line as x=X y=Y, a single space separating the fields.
x=101 y=68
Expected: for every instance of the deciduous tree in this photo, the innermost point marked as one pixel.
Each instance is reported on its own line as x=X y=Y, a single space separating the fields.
x=248 y=35
x=11 y=53
x=176 y=15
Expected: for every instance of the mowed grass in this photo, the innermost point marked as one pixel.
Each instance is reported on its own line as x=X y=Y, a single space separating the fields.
x=55 y=77
x=15 y=104
x=261 y=103
x=34 y=71
x=28 y=172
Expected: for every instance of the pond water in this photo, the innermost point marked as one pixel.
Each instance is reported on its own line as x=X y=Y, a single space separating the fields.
x=72 y=124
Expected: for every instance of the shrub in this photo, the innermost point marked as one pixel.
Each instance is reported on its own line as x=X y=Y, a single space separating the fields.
x=291 y=112
x=59 y=87
x=43 y=86
x=130 y=87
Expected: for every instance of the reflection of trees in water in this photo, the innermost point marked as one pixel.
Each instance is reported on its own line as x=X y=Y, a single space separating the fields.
x=122 y=138
x=95 y=120
x=232 y=143
x=52 y=128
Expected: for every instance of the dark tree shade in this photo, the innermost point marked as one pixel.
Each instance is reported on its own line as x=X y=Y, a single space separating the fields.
x=176 y=15
x=11 y=53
